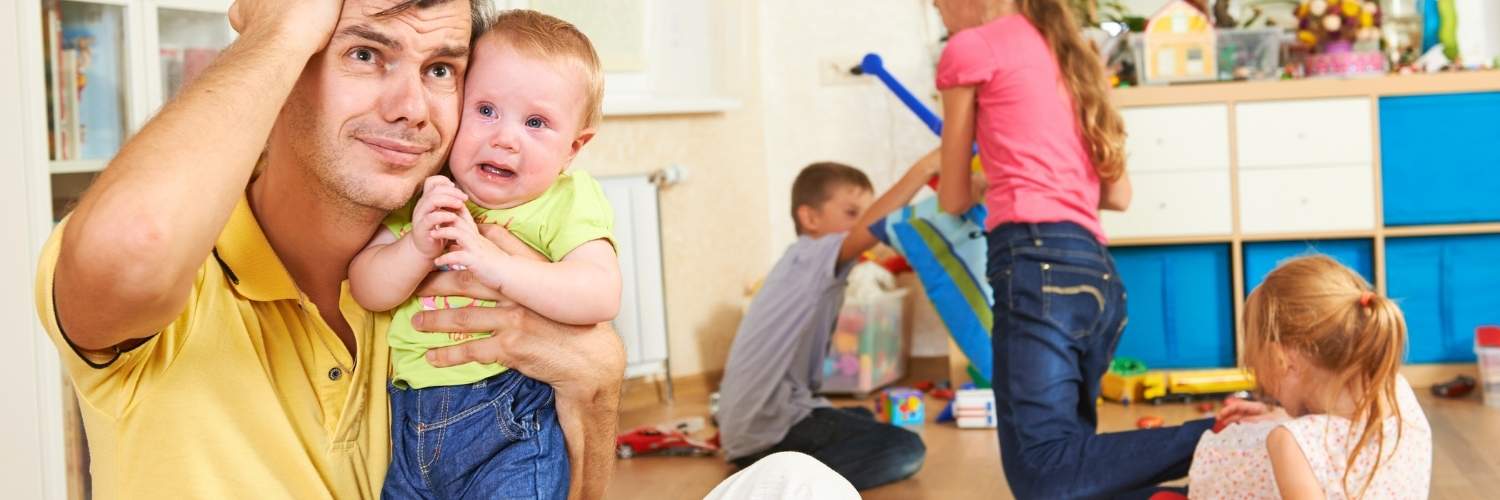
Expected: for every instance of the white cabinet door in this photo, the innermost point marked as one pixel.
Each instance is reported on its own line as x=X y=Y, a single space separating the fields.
x=1174 y=204
x=1177 y=137
x=1310 y=132
x=1306 y=199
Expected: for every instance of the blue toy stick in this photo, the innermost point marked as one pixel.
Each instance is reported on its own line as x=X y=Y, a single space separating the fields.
x=872 y=65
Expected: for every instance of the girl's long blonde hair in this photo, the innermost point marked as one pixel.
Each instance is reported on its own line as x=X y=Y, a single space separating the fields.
x=1083 y=69
x=1320 y=309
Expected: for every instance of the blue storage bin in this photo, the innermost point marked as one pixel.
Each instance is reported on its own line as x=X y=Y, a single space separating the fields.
x=1440 y=158
x=1261 y=258
x=1179 y=301
x=1446 y=287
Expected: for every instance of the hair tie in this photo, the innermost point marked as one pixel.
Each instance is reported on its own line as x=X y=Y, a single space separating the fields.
x=1364 y=299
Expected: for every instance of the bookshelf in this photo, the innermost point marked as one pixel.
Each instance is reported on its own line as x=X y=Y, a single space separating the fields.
x=108 y=65
x=89 y=73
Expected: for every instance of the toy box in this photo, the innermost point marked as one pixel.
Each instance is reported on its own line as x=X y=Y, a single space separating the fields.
x=1487 y=350
x=868 y=348
x=900 y=406
x=1250 y=54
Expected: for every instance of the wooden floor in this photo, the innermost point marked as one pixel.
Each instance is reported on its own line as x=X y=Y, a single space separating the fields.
x=966 y=463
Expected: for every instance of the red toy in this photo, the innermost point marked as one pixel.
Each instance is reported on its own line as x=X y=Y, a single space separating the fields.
x=1205 y=407
x=1149 y=422
x=1456 y=388
x=649 y=440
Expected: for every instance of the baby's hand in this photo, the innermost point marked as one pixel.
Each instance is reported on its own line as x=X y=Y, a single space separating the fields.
x=441 y=205
x=471 y=251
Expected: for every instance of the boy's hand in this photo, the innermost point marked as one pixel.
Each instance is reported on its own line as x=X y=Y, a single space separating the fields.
x=931 y=163
x=472 y=252
x=441 y=205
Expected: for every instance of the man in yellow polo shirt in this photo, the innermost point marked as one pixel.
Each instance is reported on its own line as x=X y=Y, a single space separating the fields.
x=200 y=302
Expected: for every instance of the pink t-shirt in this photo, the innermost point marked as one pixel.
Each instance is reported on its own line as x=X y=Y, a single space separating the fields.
x=1029 y=139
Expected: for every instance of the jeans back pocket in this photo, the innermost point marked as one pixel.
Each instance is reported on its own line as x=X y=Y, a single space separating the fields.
x=1074 y=298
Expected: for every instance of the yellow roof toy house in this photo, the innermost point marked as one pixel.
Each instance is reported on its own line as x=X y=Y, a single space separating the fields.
x=1180 y=45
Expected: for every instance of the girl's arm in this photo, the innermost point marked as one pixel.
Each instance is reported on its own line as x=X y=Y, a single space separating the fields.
x=389 y=269
x=954 y=194
x=581 y=289
x=1115 y=195
x=1294 y=477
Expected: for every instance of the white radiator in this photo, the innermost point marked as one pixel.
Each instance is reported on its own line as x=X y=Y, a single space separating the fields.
x=642 y=323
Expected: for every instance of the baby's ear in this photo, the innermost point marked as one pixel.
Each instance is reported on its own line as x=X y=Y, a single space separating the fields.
x=583 y=137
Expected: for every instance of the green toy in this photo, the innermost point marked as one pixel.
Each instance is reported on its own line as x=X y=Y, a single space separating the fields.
x=1448 y=28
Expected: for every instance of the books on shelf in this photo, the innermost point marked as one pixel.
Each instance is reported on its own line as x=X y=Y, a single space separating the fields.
x=86 y=85
x=52 y=36
x=180 y=65
x=70 y=126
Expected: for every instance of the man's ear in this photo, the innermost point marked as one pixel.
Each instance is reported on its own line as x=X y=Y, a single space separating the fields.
x=584 y=136
x=807 y=217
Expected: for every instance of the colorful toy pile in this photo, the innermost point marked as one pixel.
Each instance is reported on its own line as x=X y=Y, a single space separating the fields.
x=867 y=350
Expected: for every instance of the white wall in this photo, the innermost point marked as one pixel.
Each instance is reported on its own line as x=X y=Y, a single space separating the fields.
x=31 y=446
x=810 y=116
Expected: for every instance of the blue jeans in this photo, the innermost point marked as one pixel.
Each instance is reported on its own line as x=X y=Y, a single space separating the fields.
x=1059 y=313
x=496 y=438
x=849 y=441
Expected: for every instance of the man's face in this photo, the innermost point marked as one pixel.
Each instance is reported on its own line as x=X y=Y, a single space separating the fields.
x=375 y=113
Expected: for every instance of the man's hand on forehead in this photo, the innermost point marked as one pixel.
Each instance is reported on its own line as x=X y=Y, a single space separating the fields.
x=304 y=26
x=417 y=30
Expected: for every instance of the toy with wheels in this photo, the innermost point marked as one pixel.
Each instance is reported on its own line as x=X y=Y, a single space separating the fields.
x=652 y=440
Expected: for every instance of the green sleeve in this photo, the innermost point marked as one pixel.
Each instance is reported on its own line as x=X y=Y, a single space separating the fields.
x=399 y=220
x=582 y=215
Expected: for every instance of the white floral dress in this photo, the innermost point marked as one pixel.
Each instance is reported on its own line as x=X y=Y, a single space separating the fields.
x=1234 y=463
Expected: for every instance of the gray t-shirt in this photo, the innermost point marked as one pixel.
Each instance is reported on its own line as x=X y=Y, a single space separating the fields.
x=776 y=363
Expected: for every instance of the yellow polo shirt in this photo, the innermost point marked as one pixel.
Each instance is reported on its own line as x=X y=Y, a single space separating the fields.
x=247 y=394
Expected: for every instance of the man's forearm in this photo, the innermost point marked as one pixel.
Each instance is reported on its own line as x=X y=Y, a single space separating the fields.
x=154 y=214
x=600 y=426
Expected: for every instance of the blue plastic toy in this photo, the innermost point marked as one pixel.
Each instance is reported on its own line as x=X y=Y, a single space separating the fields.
x=947 y=252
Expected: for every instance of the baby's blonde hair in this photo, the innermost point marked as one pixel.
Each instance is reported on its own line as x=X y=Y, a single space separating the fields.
x=539 y=35
x=1330 y=315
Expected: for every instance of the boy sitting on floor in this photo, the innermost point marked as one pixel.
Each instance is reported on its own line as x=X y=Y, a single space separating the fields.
x=768 y=398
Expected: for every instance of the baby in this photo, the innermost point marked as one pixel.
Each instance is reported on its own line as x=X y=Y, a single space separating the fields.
x=531 y=102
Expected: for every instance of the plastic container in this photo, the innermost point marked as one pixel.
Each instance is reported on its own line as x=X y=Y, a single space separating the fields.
x=867 y=350
x=1487 y=352
x=1250 y=54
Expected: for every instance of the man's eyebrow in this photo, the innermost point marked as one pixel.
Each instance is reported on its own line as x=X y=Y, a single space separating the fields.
x=451 y=51
x=368 y=33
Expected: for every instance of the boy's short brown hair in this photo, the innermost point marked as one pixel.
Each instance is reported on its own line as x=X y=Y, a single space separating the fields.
x=539 y=35
x=814 y=185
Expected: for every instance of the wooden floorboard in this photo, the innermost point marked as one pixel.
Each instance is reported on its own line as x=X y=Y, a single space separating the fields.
x=966 y=463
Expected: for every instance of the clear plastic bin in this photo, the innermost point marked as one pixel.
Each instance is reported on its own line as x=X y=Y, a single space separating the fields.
x=867 y=350
x=1250 y=54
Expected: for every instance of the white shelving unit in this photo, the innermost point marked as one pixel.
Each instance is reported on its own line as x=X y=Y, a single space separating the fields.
x=132 y=47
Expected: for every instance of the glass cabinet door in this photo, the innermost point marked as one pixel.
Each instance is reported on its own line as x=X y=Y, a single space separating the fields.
x=88 y=81
x=188 y=40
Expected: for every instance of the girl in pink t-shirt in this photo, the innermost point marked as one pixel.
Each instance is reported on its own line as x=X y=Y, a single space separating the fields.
x=1018 y=78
